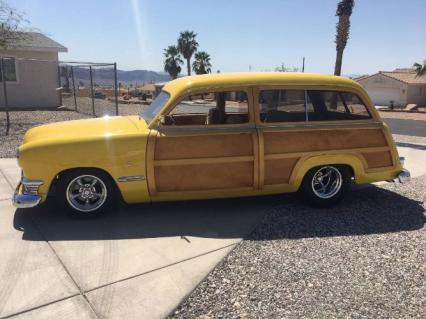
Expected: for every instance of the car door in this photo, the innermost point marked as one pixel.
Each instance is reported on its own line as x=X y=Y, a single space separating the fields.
x=296 y=123
x=193 y=154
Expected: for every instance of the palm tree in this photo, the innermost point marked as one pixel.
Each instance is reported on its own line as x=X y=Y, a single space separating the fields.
x=344 y=11
x=420 y=68
x=187 y=46
x=202 y=63
x=172 y=61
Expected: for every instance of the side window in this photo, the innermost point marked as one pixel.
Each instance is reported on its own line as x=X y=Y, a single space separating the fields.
x=282 y=106
x=230 y=107
x=9 y=68
x=335 y=106
x=355 y=106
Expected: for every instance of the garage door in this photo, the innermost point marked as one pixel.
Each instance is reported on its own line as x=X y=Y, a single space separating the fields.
x=383 y=96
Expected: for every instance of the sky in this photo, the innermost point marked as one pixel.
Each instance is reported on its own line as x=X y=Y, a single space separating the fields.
x=238 y=34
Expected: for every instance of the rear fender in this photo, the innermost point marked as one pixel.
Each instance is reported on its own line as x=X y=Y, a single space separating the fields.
x=354 y=161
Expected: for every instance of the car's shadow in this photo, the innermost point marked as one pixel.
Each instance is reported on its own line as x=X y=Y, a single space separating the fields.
x=371 y=210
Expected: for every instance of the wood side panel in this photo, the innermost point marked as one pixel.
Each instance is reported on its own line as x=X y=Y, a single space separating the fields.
x=319 y=140
x=203 y=176
x=278 y=171
x=378 y=159
x=203 y=146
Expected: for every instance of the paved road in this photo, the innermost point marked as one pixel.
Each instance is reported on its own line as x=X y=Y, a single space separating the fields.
x=407 y=127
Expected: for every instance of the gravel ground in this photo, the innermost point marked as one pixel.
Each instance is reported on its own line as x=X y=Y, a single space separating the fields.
x=102 y=106
x=364 y=258
x=22 y=121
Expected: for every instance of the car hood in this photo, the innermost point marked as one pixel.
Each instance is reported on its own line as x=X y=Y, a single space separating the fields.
x=85 y=129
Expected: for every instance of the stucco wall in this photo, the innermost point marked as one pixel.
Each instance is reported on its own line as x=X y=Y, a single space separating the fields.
x=383 y=89
x=417 y=94
x=37 y=81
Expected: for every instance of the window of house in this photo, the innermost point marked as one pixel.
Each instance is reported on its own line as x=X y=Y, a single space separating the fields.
x=210 y=108
x=335 y=106
x=282 y=106
x=9 y=65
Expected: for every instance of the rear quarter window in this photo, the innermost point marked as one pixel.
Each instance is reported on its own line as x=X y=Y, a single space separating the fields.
x=335 y=106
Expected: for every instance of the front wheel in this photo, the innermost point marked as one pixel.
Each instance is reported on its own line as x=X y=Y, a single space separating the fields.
x=326 y=185
x=85 y=193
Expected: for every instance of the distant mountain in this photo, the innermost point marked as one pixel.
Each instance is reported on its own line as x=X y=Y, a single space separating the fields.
x=105 y=76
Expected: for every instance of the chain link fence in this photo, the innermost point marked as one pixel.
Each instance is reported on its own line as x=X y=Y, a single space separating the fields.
x=35 y=91
x=41 y=91
x=89 y=88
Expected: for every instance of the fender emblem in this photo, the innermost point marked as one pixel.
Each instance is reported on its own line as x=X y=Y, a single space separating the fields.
x=133 y=178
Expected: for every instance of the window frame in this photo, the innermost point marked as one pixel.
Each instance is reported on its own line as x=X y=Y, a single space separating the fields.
x=374 y=118
x=15 y=59
x=249 y=92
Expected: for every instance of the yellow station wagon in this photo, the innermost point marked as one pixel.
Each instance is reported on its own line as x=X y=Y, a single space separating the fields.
x=214 y=136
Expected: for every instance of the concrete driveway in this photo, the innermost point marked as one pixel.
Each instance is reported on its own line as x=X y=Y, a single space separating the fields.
x=140 y=261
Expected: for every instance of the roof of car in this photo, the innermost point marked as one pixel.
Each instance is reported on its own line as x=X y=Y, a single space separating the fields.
x=195 y=82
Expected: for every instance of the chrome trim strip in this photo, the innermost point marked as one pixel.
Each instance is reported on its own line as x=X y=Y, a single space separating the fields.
x=348 y=124
x=133 y=178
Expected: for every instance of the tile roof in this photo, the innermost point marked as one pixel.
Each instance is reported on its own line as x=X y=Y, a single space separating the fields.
x=404 y=70
x=37 y=42
x=403 y=75
x=406 y=77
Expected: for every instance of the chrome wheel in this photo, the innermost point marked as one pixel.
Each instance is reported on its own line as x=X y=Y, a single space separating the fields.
x=326 y=182
x=86 y=193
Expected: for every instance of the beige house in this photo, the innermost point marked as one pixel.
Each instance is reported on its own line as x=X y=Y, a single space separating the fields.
x=32 y=73
x=399 y=87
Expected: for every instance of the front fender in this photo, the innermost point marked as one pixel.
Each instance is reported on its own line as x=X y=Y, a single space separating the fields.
x=119 y=156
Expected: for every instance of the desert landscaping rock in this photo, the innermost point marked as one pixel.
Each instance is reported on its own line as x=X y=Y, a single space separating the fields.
x=363 y=258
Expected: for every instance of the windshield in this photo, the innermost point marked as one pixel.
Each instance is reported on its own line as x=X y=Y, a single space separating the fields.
x=152 y=110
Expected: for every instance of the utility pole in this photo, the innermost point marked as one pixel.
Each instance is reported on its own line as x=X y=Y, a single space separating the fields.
x=303 y=65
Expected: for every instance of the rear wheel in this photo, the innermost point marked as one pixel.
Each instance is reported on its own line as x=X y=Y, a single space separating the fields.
x=85 y=193
x=326 y=185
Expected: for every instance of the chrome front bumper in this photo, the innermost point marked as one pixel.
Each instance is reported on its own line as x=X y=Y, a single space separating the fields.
x=26 y=193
